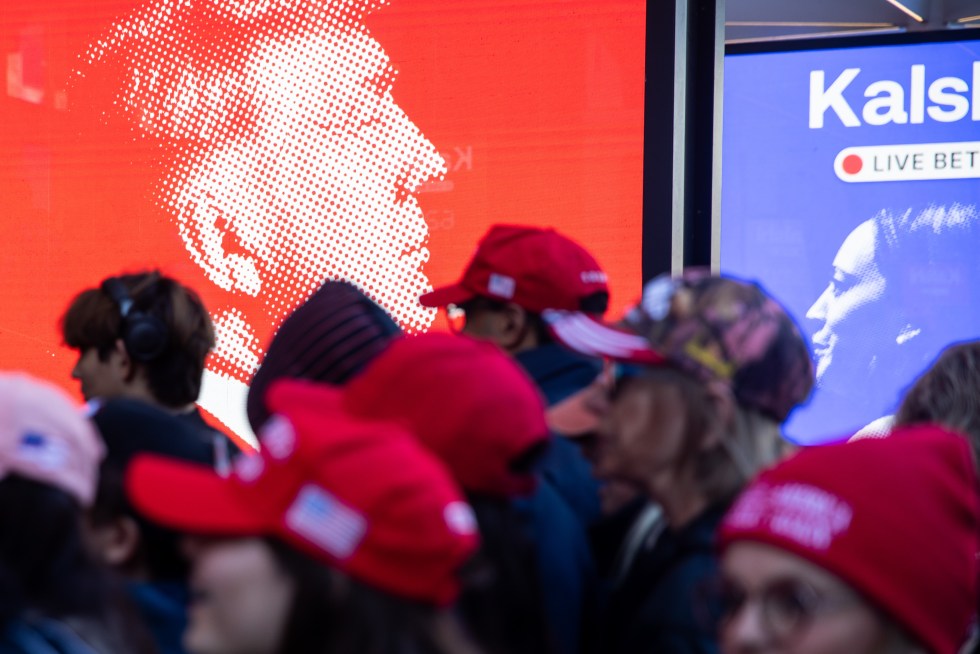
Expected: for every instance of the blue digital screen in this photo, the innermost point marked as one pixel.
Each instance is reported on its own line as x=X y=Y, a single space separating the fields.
x=851 y=191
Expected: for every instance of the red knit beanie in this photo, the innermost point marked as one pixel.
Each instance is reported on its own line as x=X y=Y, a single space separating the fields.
x=897 y=518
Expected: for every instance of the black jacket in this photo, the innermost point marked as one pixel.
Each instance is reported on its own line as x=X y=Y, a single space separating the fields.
x=663 y=604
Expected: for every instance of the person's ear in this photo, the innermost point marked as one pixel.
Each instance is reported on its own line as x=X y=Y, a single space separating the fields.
x=514 y=318
x=722 y=400
x=122 y=362
x=117 y=541
x=514 y=326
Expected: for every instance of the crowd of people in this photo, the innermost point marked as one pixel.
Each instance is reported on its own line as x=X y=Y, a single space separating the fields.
x=545 y=479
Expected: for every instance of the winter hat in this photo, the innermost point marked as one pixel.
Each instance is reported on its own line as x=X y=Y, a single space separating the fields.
x=329 y=338
x=45 y=437
x=897 y=518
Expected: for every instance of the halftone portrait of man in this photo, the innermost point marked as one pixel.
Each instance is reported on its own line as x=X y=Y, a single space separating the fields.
x=282 y=158
x=255 y=149
x=292 y=163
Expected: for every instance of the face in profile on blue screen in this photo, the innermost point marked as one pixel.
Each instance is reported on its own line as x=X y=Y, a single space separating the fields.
x=851 y=190
x=900 y=289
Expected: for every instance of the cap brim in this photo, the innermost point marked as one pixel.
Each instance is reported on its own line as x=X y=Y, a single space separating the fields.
x=584 y=334
x=189 y=498
x=441 y=297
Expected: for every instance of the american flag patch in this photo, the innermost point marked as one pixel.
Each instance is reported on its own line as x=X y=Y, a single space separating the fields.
x=325 y=521
x=501 y=286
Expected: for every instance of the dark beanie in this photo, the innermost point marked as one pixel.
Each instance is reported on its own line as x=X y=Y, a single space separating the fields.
x=328 y=339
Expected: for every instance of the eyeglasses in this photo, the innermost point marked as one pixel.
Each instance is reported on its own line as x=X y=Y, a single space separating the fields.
x=786 y=606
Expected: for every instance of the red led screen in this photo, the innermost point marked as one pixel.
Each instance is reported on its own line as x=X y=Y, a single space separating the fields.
x=253 y=149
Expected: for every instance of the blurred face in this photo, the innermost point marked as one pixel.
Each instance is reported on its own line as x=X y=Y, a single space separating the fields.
x=777 y=603
x=640 y=438
x=503 y=323
x=320 y=184
x=241 y=598
x=98 y=378
x=850 y=314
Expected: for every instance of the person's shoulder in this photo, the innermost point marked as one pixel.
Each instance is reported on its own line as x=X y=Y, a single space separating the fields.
x=674 y=612
x=44 y=635
x=196 y=420
x=557 y=371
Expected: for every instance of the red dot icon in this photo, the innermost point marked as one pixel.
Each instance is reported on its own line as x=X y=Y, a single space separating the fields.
x=852 y=164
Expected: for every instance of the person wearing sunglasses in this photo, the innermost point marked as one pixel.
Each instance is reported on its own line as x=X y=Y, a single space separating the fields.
x=867 y=547
x=708 y=368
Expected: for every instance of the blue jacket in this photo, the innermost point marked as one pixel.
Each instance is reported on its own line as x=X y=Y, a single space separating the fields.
x=559 y=373
x=42 y=636
x=163 y=606
x=566 y=571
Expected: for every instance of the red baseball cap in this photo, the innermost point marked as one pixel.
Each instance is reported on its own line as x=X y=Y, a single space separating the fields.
x=897 y=518
x=464 y=399
x=535 y=268
x=362 y=496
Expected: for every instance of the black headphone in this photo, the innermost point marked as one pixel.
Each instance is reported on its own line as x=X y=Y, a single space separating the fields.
x=144 y=336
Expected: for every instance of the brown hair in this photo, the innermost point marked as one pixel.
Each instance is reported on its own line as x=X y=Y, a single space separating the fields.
x=948 y=393
x=334 y=613
x=749 y=443
x=92 y=320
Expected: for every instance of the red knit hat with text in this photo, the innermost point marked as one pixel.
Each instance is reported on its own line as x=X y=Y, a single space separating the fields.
x=532 y=267
x=362 y=497
x=897 y=518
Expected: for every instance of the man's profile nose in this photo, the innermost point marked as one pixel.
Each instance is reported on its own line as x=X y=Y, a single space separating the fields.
x=426 y=162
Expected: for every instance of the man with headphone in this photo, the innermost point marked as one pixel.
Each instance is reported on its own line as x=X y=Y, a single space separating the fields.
x=144 y=336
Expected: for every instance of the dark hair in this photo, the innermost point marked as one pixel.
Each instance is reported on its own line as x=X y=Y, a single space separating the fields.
x=334 y=614
x=501 y=603
x=159 y=548
x=46 y=569
x=92 y=320
x=130 y=427
x=948 y=393
x=43 y=562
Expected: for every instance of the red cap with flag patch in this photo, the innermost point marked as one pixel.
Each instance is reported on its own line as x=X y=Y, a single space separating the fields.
x=363 y=497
